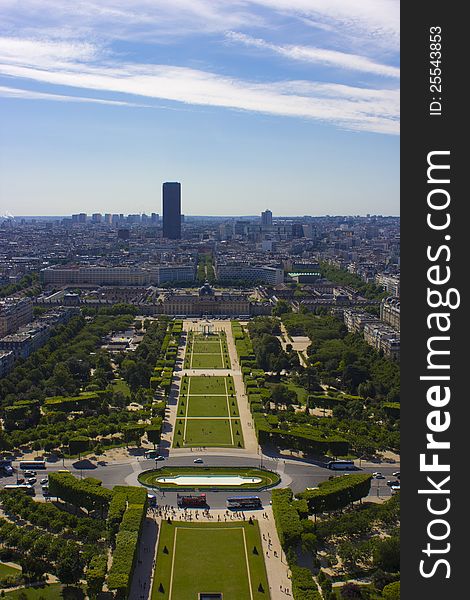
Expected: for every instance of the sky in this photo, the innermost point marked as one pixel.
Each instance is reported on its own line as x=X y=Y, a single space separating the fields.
x=291 y=105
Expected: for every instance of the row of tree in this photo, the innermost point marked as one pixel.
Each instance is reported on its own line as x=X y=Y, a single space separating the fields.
x=49 y=517
x=39 y=553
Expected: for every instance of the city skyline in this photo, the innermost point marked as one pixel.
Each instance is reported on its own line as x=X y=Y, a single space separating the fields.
x=262 y=102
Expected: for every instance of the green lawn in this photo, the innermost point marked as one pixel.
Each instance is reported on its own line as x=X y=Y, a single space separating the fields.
x=301 y=392
x=207 y=352
x=206 y=361
x=215 y=384
x=54 y=591
x=204 y=347
x=208 y=397
x=208 y=432
x=268 y=478
x=120 y=385
x=210 y=557
x=7 y=571
x=207 y=406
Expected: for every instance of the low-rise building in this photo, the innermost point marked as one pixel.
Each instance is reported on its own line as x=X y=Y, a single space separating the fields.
x=390 y=311
x=356 y=321
x=205 y=302
x=383 y=338
x=14 y=312
x=390 y=283
x=117 y=276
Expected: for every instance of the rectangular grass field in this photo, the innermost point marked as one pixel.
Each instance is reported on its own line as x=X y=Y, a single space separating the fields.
x=213 y=385
x=207 y=413
x=194 y=558
x=212 y=432
x=207 y=352
x=206 y=361
x=211 y=406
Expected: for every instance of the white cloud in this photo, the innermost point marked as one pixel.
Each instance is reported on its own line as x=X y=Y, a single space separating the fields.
x=9 y=92
x=348 y=107
x=375 y=20
x=121 y=19
x=323 y=56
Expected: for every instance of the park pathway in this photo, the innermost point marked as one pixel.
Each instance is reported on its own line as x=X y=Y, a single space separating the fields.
x=298 y=343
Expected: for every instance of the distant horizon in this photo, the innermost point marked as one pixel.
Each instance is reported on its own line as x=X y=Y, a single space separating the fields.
x=202 y=216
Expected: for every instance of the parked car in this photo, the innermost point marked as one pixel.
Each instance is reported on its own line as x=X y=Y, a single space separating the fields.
x=20 y=480
x=393 y=482
x=31 y=480
x=29 y=473
x=44 y=481
x=396 y=474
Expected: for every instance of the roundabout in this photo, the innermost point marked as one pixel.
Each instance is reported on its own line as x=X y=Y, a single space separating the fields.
x=209 y=478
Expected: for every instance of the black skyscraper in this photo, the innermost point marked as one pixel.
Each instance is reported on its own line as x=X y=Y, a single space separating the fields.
x=172 y=210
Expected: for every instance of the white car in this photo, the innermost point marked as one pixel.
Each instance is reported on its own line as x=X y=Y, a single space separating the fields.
x=31 y=480
x=198 y=460
x=378 y=475
x=44 y=481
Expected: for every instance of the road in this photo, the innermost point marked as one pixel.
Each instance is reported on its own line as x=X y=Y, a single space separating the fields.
x=295 y=473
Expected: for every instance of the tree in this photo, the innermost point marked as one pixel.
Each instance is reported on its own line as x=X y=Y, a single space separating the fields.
x=281 y=394
x=79 y=444
x=387 y=554
x=309 y=543
x=352 y=376
x=33 y=568
x=392 y=591
x=69 y=565
x=154 y=431
x=282 y=307
x=310 y=379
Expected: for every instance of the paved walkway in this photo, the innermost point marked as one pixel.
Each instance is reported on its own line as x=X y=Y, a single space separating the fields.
x=172 y=403
x=142 y=576
x=298 y=343
x=276 y=564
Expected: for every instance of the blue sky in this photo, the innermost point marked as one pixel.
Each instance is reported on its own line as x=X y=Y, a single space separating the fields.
x=291 y=105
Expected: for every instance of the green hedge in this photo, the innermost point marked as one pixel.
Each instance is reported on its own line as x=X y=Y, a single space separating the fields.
x=127 y=540
x=96 y=574
x=299 y=437
x=86 y=493
x=67 y=404
x=337 y=493
x=117 y=508
x=133 y=518
x=303 y=585
x=286 y=517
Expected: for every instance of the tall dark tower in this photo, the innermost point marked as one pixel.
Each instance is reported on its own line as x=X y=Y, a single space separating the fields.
x=172 y=210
